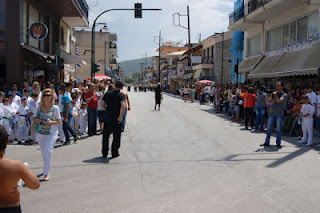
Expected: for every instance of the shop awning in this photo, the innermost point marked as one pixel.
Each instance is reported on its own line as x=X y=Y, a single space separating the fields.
x=197 y=74
x=300 y=62
x=35 y=50
x=72 y=59
x=68 y=68
x=247 y=65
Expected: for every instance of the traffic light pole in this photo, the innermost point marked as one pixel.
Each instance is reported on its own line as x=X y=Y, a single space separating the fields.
x=93 y=35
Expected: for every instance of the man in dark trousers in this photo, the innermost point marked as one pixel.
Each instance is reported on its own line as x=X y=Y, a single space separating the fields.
x=114 y=101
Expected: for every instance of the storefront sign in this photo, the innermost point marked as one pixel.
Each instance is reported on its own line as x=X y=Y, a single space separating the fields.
x=196 y=59
x=38 y=31
x=180 y=70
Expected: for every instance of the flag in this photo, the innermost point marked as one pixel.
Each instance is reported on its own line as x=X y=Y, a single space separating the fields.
x=268 y=53
x=292 y=47
x=277 y=50
x=77 y=54
x=288 y=48
x=318 y=37
x=302 y=43
x=310 y=40
x=298 y=43
x=282 y=49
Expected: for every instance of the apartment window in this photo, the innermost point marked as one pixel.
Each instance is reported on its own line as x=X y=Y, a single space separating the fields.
x=302 y=28
x=254 y=45
x=274 y=38
x=293 y=32
x=3 y=15
x=286 y=34
x=313 y=24
x=34 y=16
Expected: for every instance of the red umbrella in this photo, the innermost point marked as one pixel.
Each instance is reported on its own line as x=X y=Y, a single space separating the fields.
x=100 y=77
x=205 y=82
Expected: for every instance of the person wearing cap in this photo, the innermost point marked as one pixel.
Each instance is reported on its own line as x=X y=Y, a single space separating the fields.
x=23 y=120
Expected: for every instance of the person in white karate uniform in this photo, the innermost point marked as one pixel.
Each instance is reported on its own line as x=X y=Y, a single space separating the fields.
x=8 y=114
x=83 y=118
x=32 y=105
x=47 y=118
x=14 y=130
x=307 y=112
x=23 y=120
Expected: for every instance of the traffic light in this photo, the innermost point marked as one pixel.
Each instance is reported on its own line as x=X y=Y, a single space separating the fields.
x=138 y=10
x=96 y=68
x=61 y=64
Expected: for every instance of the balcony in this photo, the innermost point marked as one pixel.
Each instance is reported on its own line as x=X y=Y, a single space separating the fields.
x=236 y=15
x=257 y=12
x=207 y=63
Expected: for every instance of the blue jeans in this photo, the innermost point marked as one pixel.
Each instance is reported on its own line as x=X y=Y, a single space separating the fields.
x=92 y=121
x=123 y=125
x=67 y=128
x=279 y=119
x=260 y=112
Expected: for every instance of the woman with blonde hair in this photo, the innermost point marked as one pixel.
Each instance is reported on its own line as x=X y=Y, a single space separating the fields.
x=47 y=118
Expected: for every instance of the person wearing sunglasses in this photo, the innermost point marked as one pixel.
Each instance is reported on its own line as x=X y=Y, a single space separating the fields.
x=47 y=118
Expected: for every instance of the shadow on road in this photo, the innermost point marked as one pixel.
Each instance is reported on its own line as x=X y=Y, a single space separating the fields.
x=97 y=160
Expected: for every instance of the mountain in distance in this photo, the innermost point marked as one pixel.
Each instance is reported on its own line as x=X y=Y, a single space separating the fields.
x=131 y=66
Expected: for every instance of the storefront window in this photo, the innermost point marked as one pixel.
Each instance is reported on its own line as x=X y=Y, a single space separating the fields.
x=254 y=45
x=293 y=32
x=303 y=28
x=274 y=38
x=313 y=24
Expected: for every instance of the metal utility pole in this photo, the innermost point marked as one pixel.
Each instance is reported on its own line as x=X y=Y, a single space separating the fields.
x=159 y=43
x=93 y=33
x=179 y=24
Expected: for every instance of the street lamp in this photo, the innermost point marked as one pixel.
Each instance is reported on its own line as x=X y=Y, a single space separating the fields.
x=215 y=36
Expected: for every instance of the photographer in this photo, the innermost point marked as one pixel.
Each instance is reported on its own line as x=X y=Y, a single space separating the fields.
x=279 y=99
x=92 y=98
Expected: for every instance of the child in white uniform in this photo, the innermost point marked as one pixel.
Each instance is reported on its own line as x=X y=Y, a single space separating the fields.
x=33 y=105
x=13 y=107
x=307 y=112
x=23 y=120
x=83 y=118
x=73 y=122
x=7 y=116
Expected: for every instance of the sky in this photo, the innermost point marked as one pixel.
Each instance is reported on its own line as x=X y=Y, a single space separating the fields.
x=136 y=36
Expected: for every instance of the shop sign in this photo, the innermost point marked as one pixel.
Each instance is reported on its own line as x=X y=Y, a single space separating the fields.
x=38 y=30
x=180 y=68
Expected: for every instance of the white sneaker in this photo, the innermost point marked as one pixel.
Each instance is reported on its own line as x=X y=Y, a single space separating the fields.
x=301 y=141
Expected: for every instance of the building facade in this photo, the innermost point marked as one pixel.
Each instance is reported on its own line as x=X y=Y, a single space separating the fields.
x=280 y=38
x=105 y=53
x=24 y=57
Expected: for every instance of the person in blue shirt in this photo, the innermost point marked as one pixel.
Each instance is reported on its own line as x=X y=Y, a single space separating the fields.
x=15 y=86
x=67 y=115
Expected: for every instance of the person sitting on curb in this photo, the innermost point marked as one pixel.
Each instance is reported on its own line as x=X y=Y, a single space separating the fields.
x=11 y=172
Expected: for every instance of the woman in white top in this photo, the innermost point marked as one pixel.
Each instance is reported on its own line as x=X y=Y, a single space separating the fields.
x=47 y=118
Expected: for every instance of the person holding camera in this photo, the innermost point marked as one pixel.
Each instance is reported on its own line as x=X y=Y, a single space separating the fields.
x=92 y=98
x=279 y=99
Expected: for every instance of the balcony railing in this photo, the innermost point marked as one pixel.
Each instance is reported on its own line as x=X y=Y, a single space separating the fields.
x=84 y=7
x=236 y=15
x=207 y=60
x=246 y=9
x=256 y=4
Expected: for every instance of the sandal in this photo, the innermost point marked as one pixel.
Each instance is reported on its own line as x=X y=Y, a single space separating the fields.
x=46 y=178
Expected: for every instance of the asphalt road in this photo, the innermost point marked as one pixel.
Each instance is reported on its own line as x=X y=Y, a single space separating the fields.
x=183 y=158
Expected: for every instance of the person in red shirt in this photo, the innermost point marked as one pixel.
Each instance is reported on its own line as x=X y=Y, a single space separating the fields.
x=250 y=101
x=92 y=98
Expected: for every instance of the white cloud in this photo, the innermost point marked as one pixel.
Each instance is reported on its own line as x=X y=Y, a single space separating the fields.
x=136 y=36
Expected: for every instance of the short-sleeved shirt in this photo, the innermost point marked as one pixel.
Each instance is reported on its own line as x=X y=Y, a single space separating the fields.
x=55 y=116
x=94 y=102
x=113 y=101
x=250 y=100
x=65 y=99
x=278 y=108
x=261 y=101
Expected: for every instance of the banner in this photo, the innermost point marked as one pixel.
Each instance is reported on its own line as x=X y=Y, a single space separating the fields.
x=180 y=68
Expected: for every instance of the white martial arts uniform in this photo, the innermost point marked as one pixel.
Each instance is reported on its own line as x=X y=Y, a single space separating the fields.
x=307 y=123
x=83 y=120
x=24 y=123
x=47 y=142
x=14 y=131
x=17 y=100
x=8 y=114
x=1 y=114
x=73 y=120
